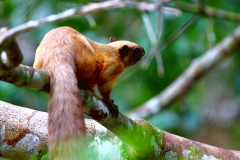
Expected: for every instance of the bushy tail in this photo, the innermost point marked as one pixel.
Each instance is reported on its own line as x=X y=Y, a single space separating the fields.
x=66 y=126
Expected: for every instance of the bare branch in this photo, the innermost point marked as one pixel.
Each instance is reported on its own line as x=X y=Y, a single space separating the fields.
x=205 y=10
x=199 y=67
x=87 y=9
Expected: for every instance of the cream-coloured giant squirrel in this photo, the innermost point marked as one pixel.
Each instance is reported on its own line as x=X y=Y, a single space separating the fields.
x=68 y=56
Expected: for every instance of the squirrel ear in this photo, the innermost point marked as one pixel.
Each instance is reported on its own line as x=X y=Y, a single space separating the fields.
x=112 y=39
x=124 y=50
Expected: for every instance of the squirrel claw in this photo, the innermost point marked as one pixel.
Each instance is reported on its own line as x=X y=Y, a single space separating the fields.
x=113 y=109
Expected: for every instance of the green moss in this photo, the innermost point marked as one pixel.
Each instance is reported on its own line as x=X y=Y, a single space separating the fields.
x=195 y=152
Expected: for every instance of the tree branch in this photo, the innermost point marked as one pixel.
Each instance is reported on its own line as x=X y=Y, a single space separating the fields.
x=10 y=54
x=125 y=128
x=144 y=140
x=204 y=10
x=197 y=69
x=25 y=76
x=23 y=135
x=87 y=9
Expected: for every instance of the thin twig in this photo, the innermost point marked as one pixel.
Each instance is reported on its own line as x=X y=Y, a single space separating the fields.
x=155 y=39
x=170 y=39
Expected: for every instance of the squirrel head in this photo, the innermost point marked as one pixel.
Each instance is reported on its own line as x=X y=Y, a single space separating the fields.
x=130 y=52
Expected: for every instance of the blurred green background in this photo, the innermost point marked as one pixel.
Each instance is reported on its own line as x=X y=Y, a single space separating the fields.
x=209 y=112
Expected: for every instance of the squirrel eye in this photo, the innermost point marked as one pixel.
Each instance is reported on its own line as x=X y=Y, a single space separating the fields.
x=136 y=51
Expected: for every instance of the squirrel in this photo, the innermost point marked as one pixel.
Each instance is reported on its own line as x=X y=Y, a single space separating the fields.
x=69 y=56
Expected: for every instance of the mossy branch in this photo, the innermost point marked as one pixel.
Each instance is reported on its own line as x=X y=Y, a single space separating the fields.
x=23 y=134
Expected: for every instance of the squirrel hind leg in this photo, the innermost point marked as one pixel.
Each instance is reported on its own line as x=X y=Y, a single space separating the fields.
x=83 y=84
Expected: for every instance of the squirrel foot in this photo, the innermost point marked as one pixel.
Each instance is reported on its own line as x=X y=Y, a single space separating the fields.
x=113 y=108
